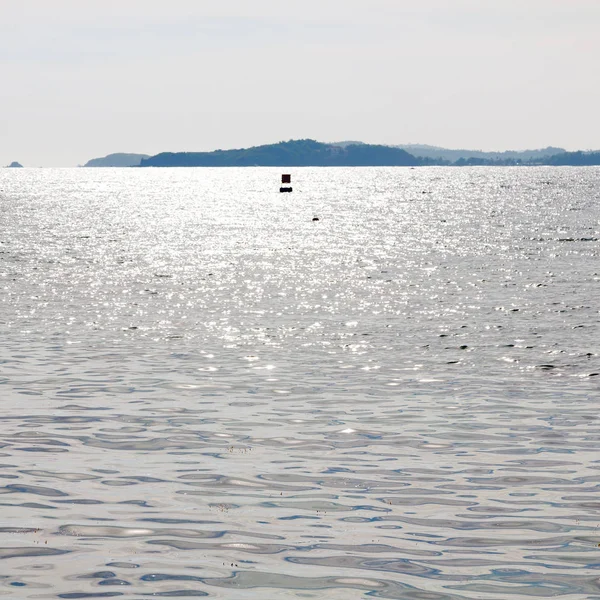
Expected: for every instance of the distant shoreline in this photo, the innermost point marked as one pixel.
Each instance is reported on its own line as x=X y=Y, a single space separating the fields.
x=310 y=153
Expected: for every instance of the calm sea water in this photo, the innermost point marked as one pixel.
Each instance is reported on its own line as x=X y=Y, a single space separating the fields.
x=204 y=392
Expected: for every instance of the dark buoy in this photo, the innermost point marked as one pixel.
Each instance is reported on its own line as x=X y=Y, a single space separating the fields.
x=286 y=178
x=315 y=218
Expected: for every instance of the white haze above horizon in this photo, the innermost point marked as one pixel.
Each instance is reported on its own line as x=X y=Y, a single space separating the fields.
x=85 y=79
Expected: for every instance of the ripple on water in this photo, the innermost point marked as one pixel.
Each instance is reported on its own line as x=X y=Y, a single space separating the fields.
x=201 y=401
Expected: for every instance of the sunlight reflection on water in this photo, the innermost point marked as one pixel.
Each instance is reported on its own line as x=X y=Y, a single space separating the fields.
x=206 y=392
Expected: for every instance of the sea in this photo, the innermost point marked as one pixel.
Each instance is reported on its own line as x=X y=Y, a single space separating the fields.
x=385 y=384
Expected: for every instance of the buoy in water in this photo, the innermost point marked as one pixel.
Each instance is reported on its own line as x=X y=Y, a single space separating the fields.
x=315 y=218
x=286 y=178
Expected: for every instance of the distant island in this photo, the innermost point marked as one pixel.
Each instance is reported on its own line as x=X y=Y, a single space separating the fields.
x=435 y=155
x=295 y=153
x=14 y=165
x=447 y=154
x=580 y=159
x=310 y=153
x=119 y=159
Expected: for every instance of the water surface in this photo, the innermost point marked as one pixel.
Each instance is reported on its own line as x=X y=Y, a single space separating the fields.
x=205 y=392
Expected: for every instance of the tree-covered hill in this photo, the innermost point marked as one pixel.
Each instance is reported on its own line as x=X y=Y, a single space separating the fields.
x=295 y=153
x=499 y=157
x=119 y=159
x=577 y=159
x=310 y=153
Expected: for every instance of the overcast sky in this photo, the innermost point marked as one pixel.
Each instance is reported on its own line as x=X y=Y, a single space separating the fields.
x=83 y=78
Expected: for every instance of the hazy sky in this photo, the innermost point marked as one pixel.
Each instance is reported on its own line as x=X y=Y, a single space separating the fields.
x=83 y=78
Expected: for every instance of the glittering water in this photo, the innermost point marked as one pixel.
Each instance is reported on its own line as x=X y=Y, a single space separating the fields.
x=205 y=392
